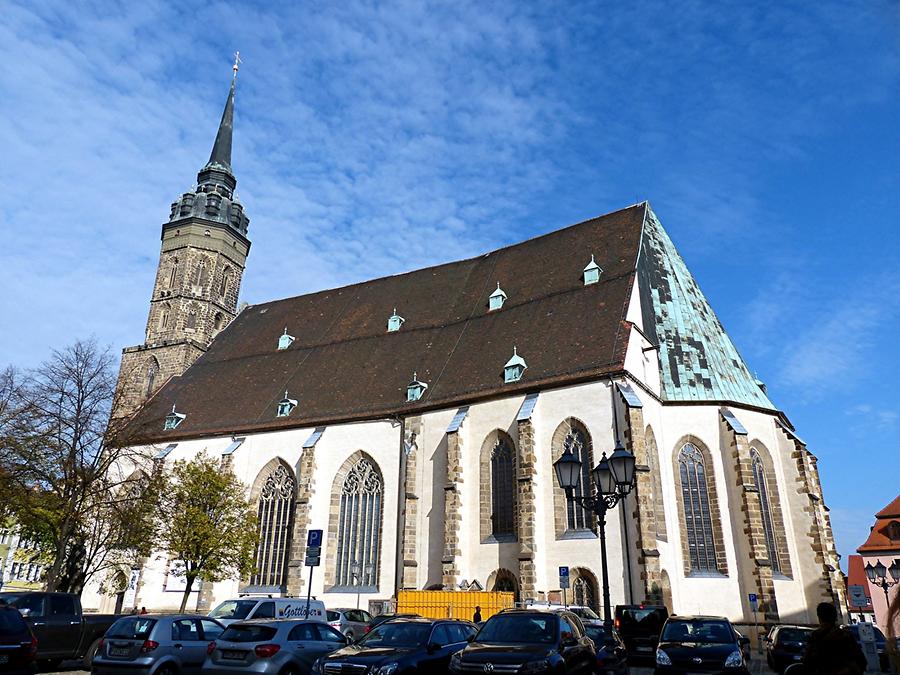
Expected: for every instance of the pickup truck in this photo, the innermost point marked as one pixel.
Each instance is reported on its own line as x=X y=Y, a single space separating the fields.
x=63 y=632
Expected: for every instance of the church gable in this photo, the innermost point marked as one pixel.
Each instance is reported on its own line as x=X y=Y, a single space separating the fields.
x=697 y=359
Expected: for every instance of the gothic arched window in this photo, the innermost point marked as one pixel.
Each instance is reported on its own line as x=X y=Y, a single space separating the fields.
x=201 y=274
x=359 y=526
x=274 y=514
x=503 y=489
x=226 y=282
x=578 y=443
x=759 y=477
x=152 y=372
x=164 y=317
x=191 y=321
x=584 y=588
x=697 y=516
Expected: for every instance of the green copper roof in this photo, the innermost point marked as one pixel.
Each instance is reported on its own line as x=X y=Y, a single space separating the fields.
x=697 y=359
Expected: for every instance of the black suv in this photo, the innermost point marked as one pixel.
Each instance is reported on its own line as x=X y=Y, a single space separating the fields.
x=528 y=641
x=786 y=645
x=412 y=645
x=699 y=644
x=640 y=626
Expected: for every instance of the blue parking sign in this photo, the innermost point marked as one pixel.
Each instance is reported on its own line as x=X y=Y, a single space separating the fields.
x=314 y=538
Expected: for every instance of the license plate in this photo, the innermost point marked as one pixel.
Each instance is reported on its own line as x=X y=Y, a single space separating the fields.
x=643 y=649
x=119 y=651
x=798 y=657
x=232 y=655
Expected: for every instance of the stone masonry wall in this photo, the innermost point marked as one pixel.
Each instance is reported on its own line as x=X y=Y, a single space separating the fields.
x=527 y=468
x=452 y=516
x=644 y=512
x=409 y=545
x=758 y=573
x=306 y=468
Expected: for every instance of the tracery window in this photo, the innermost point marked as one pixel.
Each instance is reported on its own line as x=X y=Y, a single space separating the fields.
x=274 y=514
x=695 y=501
x=578 y=443
x=226 y=280
x=503 y=490
x=583 y=592
x=201 y=275
x=759 y=477
x=359 y=526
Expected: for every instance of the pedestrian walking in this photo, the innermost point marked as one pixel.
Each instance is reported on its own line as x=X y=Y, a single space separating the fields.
x=831 y=649
x=477 y=617
x=143 y=610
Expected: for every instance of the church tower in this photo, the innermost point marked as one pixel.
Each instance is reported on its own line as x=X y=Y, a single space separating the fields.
x=195 y=295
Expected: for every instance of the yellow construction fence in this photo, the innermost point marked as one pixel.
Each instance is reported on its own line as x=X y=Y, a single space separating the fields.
x=452 y=604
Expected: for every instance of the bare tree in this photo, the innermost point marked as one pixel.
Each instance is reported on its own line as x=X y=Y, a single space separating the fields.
x=68 y=476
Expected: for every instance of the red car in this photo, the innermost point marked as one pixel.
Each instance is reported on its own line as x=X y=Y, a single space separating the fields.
x=18 y=646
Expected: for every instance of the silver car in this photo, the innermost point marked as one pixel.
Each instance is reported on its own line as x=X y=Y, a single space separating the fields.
x=350 y=622
x=281 y=647
x=156 y=645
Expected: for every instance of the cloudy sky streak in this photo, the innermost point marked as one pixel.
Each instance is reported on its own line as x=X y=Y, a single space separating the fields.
x=374 y=138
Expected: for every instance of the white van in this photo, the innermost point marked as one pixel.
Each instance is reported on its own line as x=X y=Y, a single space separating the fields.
x=256 y=607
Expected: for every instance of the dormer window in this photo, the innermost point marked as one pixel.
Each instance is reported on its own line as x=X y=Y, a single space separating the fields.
x=497 y=299
x=514 y=368
x=591 y=272
x=395 y=321
x=285 y=340
x=173 y=419
x=415 y=389
x=286 y=405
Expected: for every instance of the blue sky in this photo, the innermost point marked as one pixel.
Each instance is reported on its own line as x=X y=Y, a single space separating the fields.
x=373 y=138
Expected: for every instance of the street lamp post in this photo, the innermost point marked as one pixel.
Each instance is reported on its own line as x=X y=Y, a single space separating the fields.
x=877 y=574
x=613 y=480
x=354 y=572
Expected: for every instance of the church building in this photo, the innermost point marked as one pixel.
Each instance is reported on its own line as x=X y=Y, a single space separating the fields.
x=415 y=420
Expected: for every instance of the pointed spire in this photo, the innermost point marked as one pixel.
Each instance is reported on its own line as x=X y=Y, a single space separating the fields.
x=221 y=151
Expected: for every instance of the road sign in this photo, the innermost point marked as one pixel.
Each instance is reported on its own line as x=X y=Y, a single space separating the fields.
x=563 y=577
x=313 y=548
x=754 y=601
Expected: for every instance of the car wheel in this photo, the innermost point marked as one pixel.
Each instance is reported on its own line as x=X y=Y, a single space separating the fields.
x=167 y=670
x=90 y=653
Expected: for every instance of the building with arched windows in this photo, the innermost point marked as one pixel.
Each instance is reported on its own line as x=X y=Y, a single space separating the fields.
x=415 y=420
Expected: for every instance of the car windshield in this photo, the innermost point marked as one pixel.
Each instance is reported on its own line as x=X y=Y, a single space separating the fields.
x=247 y=633
x=519 y=629
x=701 y=630
x=643 y=619
x=332 y=616
x=403 y=634
x=584 y=612
x=794 y=634
x=132 y=628
x=11 y=622
x=233 y=609
x=598 y=634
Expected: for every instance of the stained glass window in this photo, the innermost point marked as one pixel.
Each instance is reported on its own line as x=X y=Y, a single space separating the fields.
x=759 y=477
x=503 y=489
x=579 y=444
x=697 y=516
x=275 y=515
x=359 y=527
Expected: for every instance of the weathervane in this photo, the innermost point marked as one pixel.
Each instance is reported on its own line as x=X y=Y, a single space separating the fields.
x=237 y=64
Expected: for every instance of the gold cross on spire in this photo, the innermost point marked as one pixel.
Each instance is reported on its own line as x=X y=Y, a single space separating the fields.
x=237 y=63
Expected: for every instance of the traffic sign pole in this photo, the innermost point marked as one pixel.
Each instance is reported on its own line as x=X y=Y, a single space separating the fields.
x=313 y=559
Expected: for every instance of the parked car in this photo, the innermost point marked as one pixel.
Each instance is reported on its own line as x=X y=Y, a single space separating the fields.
x=350 y=622
x=880 y=645
x=18 y=646
x=699 y=644
x=640 y=626
x=786 y=645
x=63 y=632
x=583 y=612
x=529 y=640
x=285 y=647
x=408 y=646
x=265 y=607
x=161 y=645
x=381 y=618
x=612 y=657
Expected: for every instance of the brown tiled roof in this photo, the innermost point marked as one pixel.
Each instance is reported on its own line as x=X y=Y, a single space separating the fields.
x=880 y=538
x=344 y=365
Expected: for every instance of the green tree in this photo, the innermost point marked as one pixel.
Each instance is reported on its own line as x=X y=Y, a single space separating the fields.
x=70 y=482
x=206 y=524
